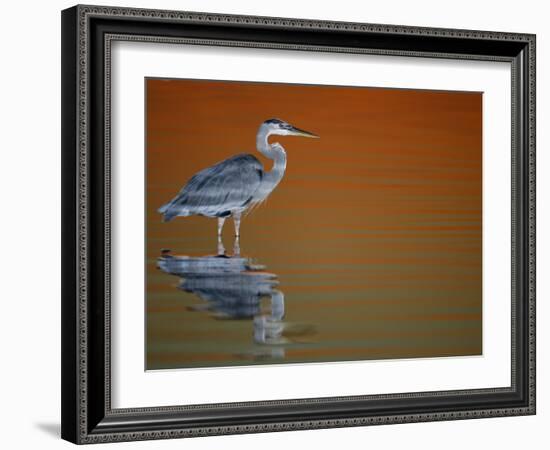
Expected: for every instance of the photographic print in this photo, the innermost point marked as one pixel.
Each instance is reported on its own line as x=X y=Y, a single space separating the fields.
x=319 y=203
x=292 y=223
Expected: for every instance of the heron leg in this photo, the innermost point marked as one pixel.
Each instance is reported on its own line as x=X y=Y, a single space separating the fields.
x=237 y=220
x=221 y=248
x=221 y=221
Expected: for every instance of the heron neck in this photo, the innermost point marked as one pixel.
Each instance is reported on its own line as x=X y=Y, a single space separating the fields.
x=272 y=177
x=262 y=144
x=274 y=152
x=278 y=155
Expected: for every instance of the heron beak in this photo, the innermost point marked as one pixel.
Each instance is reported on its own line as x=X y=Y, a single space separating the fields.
x=297 y=132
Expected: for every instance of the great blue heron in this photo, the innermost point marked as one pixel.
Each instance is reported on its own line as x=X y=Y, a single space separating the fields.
x=234 y=185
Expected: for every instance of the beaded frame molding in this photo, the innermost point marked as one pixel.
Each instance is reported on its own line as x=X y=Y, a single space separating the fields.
x=87 y=35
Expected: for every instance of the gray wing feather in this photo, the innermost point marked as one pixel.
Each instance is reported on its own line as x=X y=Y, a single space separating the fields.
x=217 y=190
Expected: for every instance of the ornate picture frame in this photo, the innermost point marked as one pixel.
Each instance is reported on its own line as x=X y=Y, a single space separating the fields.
x=88 y=33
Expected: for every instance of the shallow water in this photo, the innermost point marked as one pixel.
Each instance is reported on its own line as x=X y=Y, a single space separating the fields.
x=343 y=296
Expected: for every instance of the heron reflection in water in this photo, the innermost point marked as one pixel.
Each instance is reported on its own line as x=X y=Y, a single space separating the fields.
x=233 y=288
x=237 y=184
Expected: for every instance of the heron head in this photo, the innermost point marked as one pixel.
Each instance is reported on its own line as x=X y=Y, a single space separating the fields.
x=280 y=127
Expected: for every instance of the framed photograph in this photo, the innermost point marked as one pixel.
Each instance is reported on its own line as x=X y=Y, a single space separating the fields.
x=278 y=224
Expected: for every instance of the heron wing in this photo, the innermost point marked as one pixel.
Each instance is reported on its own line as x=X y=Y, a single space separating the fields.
x=218 y=190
